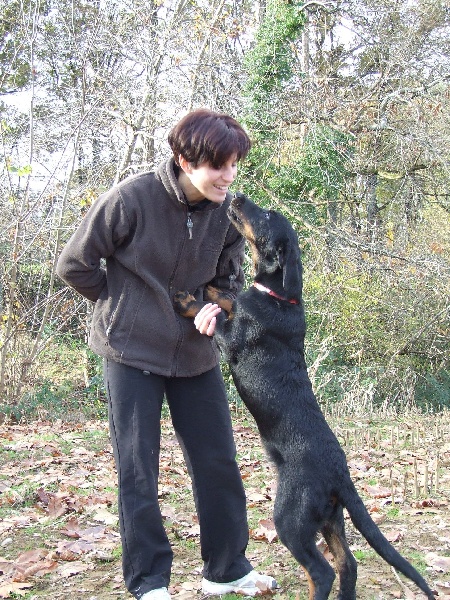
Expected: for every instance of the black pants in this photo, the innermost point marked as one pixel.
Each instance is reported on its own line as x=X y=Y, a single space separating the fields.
x=202 y=422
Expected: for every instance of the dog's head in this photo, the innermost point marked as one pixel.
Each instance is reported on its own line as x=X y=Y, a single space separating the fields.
x=274 y=245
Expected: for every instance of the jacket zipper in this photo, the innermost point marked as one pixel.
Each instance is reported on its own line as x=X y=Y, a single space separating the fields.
x=189 y=224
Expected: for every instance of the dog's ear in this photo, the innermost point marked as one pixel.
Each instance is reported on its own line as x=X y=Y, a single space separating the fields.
x=288 y=255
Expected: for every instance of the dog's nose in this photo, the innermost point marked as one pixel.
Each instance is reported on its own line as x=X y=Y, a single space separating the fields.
x=239 y=199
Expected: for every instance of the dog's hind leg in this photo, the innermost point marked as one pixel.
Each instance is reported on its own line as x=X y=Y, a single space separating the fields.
x=298 y=532
x=334 y=534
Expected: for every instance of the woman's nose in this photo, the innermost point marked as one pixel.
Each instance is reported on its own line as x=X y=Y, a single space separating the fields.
x=229 y=174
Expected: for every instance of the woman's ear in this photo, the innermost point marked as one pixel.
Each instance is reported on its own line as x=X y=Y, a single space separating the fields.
x=184 y=164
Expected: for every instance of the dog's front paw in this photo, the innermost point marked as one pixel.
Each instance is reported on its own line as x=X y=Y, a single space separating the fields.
x=213 y=294
x=185 y=304
x=182 y=300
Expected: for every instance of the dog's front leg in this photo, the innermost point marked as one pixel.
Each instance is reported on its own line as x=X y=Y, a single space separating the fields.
x=187 y=305
x=218 y=297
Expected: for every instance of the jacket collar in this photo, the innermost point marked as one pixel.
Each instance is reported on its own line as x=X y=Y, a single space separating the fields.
x=167 y=173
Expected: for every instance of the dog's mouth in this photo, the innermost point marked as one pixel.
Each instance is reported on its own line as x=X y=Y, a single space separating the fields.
x=234 y=212
x=234 y=216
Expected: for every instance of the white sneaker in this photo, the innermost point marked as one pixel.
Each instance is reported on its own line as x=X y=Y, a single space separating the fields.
x=252 y=584
x=159 y=594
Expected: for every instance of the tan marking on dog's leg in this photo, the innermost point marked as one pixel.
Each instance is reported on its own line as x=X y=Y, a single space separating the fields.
x=186 y=304
x=312 y=587
x=215 y=295
x=191 y=311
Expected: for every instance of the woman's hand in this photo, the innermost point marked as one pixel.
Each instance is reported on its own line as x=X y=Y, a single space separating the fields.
x=205 y=321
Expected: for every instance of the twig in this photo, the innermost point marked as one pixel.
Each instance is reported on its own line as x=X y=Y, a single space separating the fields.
x=416 y=482
x=409 y=593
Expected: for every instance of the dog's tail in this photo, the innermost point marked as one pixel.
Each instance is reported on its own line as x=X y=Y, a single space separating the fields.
x=363 y=522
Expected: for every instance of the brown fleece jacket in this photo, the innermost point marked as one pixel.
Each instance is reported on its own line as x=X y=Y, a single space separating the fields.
x=154 y=244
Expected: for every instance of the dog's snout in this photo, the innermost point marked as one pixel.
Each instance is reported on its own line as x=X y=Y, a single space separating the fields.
x=238 y=200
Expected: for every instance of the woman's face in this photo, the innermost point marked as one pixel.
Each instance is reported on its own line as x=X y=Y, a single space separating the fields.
x=207 y=182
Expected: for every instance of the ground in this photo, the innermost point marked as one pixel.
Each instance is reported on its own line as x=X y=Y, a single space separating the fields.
x=59 y=536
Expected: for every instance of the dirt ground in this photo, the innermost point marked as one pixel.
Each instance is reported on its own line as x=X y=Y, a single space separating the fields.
x=59 y=535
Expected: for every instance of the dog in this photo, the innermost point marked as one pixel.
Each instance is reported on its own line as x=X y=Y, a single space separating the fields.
x=261 y=335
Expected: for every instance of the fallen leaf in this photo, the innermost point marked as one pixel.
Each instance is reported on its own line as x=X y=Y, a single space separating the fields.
x=427 y=503
x=189 y=586
x=43 y=496
x=105 y=516
x=57 y=506
x=64 y=554
x=73 y=568
x=31 y=556
x=265 y=531
x=193 y=531
x=444 y=586
x=255 y=497
x=393 y=536
x=43 y=567
x=5 y=565
x=378 y=518
x=377 y=491
x=71 y=529
x=12 y=587
x=438 y=563
x=77 y=547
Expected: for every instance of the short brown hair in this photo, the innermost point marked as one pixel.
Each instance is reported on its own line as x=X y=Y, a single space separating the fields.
x=205 y=136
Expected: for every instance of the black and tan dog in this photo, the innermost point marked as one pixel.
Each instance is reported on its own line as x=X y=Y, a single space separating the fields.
x=262 y=339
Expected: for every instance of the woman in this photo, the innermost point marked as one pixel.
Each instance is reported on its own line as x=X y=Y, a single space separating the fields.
x=159 y=233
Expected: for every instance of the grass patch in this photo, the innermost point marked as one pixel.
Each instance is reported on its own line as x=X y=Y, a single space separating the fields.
x=418 y=561
x=363 y=555
x=74 y=460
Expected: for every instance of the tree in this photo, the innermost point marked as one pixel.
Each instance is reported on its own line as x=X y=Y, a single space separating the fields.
x=102 y=84
x=348 y=106
x=353 y=148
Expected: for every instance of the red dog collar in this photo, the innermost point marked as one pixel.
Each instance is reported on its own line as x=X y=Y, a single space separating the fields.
x=261 y=288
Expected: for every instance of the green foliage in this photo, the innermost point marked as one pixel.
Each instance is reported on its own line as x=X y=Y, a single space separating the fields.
x=268 y=64
x=418 y=561
x=319 y=169
x=361 y=555
x=15 y=68
x=65 y=57
x=393 y=512
x=379 y=349
x=68 y=384
x=20 y=171
x=355 y=313
x=303 y=176
x=434 y=389
x=371 y=311
x=324 y=161
x=279 y=162
x=52 y=401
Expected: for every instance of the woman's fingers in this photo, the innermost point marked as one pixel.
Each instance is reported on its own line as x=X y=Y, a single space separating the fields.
x=205 y=321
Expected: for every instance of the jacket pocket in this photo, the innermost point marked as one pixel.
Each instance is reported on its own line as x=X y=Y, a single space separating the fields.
x=123 y=304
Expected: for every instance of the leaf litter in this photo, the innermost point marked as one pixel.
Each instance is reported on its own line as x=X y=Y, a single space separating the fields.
x=59 y=525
